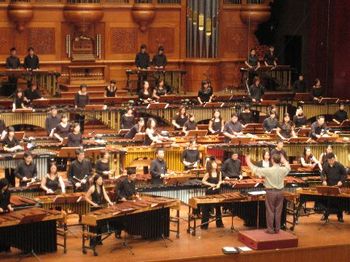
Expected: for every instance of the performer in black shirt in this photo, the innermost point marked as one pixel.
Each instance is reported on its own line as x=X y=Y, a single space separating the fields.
x=128 y=119
x=246 y=116
x=299 y=119
x=3 y=129
x=160 y=90
x=158 y=167
x=12 y=62
x=75 y=138
x=145 y=94
x=333 y=174
x=253 y=61
x=180 y=118
x=232 y=128
x=256 y=90
x=31 y=93
x=18 y=102
x=31 y=61
x=26 y=170
x=62 y=130
x=212 y=179
x=216 y=124
x=102 y=165
x=52 y=121
x=319 y=128
x=111 y=89
x=190 y=124
x=317 y=90
x=341 y=115
x=159 y=60
x=138 y=128
x=97 y=194
x=299 y=85
x=142 y=62
x=231 y=168
x=266 y=161
x=286 y=129
x=127 y=189
x=205 y=93
x=270 y=58
x=81 y=100
x=278 y=150
x=191 y=156
x=80 y=172
x=323 y=157
x=270 y=122
x=5 y=195
x=52 y=181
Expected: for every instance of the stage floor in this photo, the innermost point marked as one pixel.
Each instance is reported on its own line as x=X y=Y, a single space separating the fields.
x=310 y=231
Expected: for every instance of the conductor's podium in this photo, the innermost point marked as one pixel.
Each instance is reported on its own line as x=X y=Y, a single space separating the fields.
x=260 y=240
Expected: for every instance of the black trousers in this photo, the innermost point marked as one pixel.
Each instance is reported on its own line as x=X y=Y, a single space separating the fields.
x=80 y=119
x=206 y=210
x=10 y=176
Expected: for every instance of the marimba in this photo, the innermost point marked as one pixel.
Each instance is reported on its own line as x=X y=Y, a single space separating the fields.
x=20 y=202
x=31 y=230
x=148 y=217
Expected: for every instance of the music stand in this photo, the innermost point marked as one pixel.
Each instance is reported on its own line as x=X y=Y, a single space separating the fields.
x=157 y=106
x=329 y=139
x=298 y=139
x=328 y=100
x=202 y=126
x=240 y=140
x=19 y=135
x=123 y=132
x=139 y=137
x=302 y=97
x=214 y=104
x=328 y=190
x=92 y=152
x=94 y=107
x=42 y=102
x=345 y=123
x=67 y=152
x=196 y=133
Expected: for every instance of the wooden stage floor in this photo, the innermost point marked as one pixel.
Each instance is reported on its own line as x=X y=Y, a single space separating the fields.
x=317 y=242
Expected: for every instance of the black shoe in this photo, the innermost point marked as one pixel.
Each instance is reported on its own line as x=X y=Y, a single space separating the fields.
x=220 y=225
x=340 y=220
x=324 y=218
x=204 y=227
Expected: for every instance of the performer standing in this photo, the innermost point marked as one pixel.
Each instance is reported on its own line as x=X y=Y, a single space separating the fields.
x=333 y=174
x=319 y=128
x=180 y=118
x=127 y=188
x=12 y=62
x=142 y=62
x=5 y=206
x=102 y=165
x=61 y=131
x=341 y=115
x=26 y=170
x=111 y=89
x=191 y=156
x=232 y=128
x=31 y=61
x=81 y=100
x=256 y=90
x=97 y=194
x=128 y=119
x=299 y=85
x=231 y=168
x=159 y=60
x=205 y=93
x=136 y=129
x=52 y=181
x=212 y=179
x=80 y=172
x=52 y=121
x=158 y=168
x=75 y=138
x=270 y=58
x=274 y=184
x=216 y=124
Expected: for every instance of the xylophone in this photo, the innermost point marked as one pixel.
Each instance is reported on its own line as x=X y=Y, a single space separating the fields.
x=148 y=217
x=69 y=202
x=31 y=230
x=19 y=202
x=250 y=208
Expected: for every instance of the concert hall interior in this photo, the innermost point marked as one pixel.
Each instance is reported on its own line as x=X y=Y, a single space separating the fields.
x=174 y=130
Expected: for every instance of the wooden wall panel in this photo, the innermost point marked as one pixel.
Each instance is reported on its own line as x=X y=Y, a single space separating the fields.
x=42 y=40
x=161 y=36
x=123 y=40
x=6 y=40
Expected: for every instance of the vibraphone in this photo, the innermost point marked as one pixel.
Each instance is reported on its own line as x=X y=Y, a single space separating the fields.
x=341 y=199
x=148 y=217
x=70 y=202
x=250 y=208
x=31 y=230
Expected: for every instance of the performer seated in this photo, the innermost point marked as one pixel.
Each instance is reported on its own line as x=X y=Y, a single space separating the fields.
x=158 y=167
x=216 y=124
x=19 y=102
x=190 y=124
x=111 y=89
x=274 y=184
x=62 y=130
x=286 y=129
x=151 y=136
x=10 y=142
x=246 y=117
x=323 y=156
x=256 y=90
x=333 y=174
x=278 y=150
x=299 y=119
x=80 y=101
x=232 y=128
x=80 y=172
x=309 y=160
x=31 y=93
x=266 y=160
x=128 y=119
x=341 y=115
x=317 y=90
x=191 y=156
x=52 y=181
x=136 y=129
x=102 y=165
x=205 y=93
x=145 y=95
x=52 y=121
x=270 y=58
x=212 y=179
x=299 y=86
x=319 y=128
x=127 y=188
x=270 y=122
x=75 y=138
x=97 y=194
x=31 y=61
x=26 y=170
x=160 y=90
x=180 y=118
x=159 y=60
x=231 y=168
